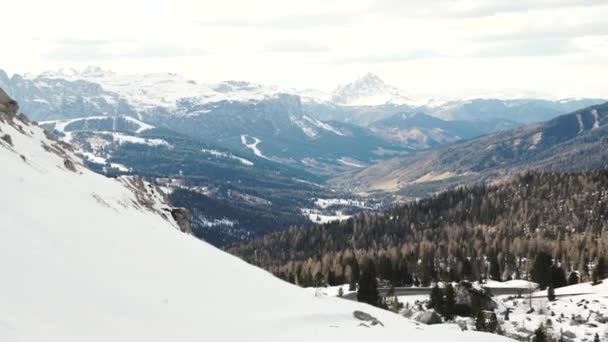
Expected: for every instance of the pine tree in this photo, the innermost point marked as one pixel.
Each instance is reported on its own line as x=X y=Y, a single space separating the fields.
x=541 y=269
x=599 y=271
x=494 y=267
x=493 y=323
x=573 y=278
x=480 y=321
x=539 y=334
x=437 y=301
x=596 y=338
x=450 y=302
x=368 y=285
x=551 y=294
x=340 y=292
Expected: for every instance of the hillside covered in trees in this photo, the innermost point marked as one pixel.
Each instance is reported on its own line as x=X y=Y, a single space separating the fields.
x=486 y=231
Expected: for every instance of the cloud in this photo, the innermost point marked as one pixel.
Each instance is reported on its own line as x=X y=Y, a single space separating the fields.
x=87 y=50
x=530 y=48
x=388 y=57
x=476 y=8
x=311 y=21
x=295 y=46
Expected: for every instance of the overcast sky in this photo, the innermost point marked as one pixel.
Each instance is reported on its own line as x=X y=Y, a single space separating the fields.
x=436 y=48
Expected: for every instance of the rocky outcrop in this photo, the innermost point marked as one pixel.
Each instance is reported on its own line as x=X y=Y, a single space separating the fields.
x=429 y=317
x=182 y=218
x=8 y=105
x=364 y=316
x=7 y=138
x=469 y=300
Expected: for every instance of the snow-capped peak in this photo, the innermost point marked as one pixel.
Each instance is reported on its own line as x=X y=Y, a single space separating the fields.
x=370 y=90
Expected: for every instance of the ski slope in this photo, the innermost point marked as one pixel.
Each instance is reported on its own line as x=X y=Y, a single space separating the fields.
x=83 y=260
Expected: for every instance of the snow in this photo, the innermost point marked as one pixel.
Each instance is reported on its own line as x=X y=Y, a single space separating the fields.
x=82 y=260
x=325 y=203
x=93 y=158
x=119 y=167
x=323 y=125
x=123 y=139
x=253 y=146
x=229 y=156
x=348 y=162
x=319 y=217
x=60 y=125
x=579 y=309
x=596 y=119
x=515 y=284
x=370 y=90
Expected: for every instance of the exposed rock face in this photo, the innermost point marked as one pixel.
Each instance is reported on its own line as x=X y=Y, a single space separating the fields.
x=182 y=217
x=469 y=300
x=7 y=105
x=7 y=138
x=429 y=317
x=69 y=165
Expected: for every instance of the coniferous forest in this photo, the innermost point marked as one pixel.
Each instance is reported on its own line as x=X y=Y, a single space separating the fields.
x=547 y=227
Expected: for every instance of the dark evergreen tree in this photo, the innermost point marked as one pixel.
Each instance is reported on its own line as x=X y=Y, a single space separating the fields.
x=558 y=277
x=599 y=271
x=437 y=300
x=492 y=324
x=596 y=338
x=494 y=267
x=480 y=321
x=550 y=293
x=368 y=285
x=450 y=302
x=540 y=335
x=541 y=269
x=573 y=278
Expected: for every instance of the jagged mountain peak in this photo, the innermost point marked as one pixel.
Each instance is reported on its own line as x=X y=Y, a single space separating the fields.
x=369 y=90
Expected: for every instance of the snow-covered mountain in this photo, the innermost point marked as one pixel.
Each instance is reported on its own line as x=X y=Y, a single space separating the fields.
x=88 y=258
x=370 y=90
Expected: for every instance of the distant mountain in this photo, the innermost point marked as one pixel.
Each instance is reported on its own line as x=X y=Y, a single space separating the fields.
x=575 y=141
x=370 y=90
x=359 y=124
x=523 y=111
x=277 y=129
x=420 y=131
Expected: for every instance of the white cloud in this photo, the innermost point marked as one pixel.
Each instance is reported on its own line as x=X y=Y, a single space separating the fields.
x=439 y=48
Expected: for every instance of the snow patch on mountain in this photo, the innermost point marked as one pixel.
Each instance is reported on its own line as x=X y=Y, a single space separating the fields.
x=253 y=146
x=229 y=156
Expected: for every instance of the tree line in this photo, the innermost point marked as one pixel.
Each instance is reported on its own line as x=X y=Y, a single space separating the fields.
x=549 y=227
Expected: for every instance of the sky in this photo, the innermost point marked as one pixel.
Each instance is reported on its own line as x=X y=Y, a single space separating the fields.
x=428 y=48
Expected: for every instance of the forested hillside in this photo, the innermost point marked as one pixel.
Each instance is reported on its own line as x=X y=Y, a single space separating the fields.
x=472 y=233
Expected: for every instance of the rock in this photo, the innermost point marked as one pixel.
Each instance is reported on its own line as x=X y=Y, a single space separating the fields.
x=407 y=313
x=182 y=217
x=569 y=334
x=429 y=317
x=467 y=298
x=364 y=316
x=7 y=138
x=8 y=105
x=69 y=165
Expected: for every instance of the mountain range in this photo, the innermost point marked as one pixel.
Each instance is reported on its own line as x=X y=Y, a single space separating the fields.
x=575 y=141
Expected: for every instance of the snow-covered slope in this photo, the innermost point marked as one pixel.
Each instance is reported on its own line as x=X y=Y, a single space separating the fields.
x=83 y=259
